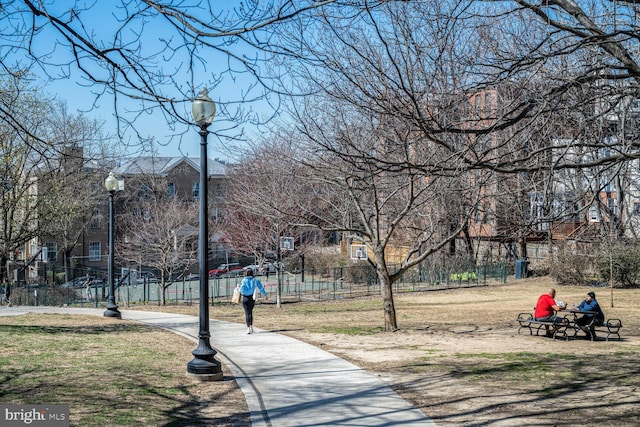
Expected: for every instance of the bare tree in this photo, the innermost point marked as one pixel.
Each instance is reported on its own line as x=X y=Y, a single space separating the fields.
x=264 y=196
x=386 y=139
x=159 y=233
x=403 y=73
x=38 y=176
x=86 y=154
x=408 y=75
x=476 y=45
x=156 y=53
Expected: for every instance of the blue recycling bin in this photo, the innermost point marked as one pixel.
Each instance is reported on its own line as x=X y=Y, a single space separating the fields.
x=521 y=268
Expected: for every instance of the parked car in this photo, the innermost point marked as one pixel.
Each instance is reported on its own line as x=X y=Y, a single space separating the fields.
x=254 y=267
x=260 y=270
x=96 y=283
x=231 y=269
x=147 y=277
x=192 y=277
x=36 y=285
x=78 y=282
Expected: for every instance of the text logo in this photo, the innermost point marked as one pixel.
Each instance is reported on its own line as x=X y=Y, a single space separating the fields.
x=34 y=415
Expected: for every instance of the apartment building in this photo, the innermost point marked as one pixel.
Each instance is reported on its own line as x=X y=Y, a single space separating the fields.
x=531 y=214
x=180 y=177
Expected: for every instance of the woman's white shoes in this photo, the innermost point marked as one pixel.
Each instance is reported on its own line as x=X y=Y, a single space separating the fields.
x=249 y=329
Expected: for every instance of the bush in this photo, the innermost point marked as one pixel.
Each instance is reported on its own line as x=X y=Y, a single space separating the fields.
x=360 y=273
x=464 y=277
x=568 y=269
x=324 y=263
x=541 y=269
x=625 y=260
x=60 y=278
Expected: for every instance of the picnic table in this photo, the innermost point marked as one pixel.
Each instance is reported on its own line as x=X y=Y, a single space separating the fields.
x=567 y=326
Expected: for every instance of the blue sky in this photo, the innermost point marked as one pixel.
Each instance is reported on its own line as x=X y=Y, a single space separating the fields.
x=153 y=125
x=99 y=22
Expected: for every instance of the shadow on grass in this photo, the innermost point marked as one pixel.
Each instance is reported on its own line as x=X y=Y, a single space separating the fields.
x=188 y=413
x=93 y=408
x=543 y=390
x=134 y=385
x=17 y=330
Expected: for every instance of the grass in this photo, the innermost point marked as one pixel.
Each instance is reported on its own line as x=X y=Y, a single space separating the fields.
x=118 y=373
x=110 y=372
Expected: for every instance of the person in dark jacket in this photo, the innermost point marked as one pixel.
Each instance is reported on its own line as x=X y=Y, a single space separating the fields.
x=591 y=305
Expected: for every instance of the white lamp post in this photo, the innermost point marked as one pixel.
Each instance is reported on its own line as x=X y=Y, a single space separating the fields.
x=204 y=365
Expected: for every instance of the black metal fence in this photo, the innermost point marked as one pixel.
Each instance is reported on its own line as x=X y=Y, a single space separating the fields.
x=312 y=285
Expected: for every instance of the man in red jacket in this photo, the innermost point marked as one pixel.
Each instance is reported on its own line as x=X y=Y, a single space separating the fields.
x=546 y=309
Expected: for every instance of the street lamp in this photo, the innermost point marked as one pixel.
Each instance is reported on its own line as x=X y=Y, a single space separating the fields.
x=204 y=366
x=112 y=185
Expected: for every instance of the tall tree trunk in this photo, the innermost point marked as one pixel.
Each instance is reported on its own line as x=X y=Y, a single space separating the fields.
x=523 y=248
x=66 y=260
x=4 y=270
x=468 y=243
x=388 y=305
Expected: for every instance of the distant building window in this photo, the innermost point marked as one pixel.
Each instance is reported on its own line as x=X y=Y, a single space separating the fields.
x=52 y=251
x=195 y=189
x=171 y=189
x=95 y=251
x=483 y=142
x=143 y=192
x=96 y=220
x=636 y=209
x=488 y=103
x=487 y=215
x=483 y=214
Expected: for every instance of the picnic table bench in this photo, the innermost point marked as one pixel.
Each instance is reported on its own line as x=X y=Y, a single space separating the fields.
x=565 y=327
x=611 y=327
x=558 y=327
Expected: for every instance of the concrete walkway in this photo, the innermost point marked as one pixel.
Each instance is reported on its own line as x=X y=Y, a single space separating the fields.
x=286 y=382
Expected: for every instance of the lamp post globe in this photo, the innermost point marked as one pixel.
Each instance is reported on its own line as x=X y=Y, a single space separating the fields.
x=203 y=109
x=112 y=185
x=204 y=366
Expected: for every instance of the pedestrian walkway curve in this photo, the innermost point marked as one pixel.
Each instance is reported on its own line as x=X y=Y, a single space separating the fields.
x=286 y=382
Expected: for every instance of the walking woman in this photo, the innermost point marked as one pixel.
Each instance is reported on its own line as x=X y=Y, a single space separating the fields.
x=247 y=290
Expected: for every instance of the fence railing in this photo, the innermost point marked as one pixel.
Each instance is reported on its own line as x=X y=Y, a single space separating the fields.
x=313 y=285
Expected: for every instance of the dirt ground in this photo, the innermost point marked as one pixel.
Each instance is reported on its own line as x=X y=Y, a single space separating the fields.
x=482 y=376
x=459 y=358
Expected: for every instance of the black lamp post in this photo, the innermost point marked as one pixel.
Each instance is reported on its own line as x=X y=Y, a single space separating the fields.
x=112 y=185
x=204 y=366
